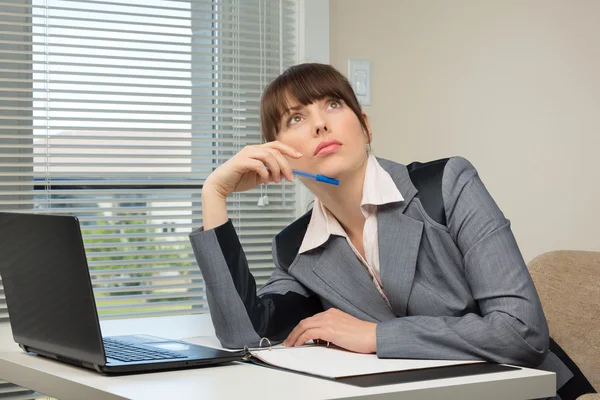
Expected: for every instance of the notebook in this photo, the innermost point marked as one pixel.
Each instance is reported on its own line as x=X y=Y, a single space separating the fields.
x=334 y=363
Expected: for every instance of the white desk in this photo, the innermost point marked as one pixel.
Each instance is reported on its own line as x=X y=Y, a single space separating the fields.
x=239 y=381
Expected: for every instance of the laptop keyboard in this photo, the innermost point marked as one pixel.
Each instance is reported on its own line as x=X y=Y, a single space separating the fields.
x=127 y=352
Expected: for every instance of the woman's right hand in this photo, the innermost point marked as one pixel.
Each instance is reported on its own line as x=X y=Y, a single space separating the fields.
x=248 y=169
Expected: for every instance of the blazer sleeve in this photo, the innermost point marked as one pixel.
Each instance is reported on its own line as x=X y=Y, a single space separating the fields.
x=240 y=316
x=511 y=326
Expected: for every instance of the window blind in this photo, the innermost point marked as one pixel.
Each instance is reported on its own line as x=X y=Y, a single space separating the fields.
x=116 y=111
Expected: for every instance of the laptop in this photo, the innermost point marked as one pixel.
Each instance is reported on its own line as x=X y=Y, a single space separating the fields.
x=52 y=309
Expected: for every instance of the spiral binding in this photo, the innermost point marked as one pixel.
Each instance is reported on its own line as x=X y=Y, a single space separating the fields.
x=248 y=354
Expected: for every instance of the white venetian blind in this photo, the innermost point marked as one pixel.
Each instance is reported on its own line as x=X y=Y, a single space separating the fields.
x=116 y=111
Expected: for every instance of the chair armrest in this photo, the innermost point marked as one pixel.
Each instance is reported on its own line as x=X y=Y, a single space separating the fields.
x=594 y=396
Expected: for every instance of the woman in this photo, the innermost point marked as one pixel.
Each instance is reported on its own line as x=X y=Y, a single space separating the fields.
x=367 y=269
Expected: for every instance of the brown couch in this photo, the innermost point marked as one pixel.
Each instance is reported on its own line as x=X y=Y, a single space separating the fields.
x=568 y=283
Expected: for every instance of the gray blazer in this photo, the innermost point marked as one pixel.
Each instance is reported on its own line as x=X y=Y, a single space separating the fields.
x=460 y=291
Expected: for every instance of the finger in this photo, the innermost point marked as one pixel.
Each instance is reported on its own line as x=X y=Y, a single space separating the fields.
x=323 y=322
x=258 y=167
x=284 y=148
x=269 y=160
x=284 y=166
x=308 y=323
x=292 y=337
x=272 y=165
x=294 y=334
x=311 y=334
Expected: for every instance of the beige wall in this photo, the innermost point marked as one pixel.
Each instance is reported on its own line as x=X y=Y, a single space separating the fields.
x=514 y=86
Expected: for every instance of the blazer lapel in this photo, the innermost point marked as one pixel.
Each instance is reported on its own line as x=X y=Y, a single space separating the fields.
x=399 y=241
x=339 y=268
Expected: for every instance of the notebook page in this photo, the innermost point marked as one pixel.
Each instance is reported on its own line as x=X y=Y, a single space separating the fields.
x=337 y=363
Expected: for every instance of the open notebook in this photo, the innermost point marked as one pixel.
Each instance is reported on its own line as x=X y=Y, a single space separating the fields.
x=354 y=368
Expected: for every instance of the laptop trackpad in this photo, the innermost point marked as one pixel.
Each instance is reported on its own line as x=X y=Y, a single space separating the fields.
x=172 y=346
x=139 y=339
x=153 y=341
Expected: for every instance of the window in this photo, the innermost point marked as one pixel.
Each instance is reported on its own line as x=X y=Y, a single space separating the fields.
x=116 y=111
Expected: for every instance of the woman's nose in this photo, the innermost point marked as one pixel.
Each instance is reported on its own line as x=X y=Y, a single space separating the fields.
x=321 y=125
x=321 y=129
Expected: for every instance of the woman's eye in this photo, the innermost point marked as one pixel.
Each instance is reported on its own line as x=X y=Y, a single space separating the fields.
x=294 y=119
x=335 y=104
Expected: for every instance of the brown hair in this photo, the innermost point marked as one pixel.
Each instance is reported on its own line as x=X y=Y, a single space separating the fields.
x=304 y=83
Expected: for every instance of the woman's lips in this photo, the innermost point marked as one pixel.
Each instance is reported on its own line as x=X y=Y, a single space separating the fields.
x=329 y=149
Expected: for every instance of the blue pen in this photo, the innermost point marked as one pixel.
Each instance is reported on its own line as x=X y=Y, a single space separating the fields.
x=317 y=177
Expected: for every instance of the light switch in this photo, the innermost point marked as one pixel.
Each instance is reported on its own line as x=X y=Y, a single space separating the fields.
x=359 y=75
x=360 y=82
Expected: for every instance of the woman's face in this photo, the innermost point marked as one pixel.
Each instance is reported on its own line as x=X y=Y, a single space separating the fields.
x=329 y=136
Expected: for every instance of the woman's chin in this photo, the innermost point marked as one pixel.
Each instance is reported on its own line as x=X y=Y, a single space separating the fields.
x=333 y=171
x=336 y=167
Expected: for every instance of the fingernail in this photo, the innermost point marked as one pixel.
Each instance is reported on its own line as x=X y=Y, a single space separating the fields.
x=298 y=154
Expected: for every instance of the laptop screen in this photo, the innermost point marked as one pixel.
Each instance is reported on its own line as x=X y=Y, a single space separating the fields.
x=47 y=286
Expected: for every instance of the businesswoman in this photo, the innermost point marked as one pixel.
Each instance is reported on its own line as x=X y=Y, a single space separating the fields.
x=401 y=265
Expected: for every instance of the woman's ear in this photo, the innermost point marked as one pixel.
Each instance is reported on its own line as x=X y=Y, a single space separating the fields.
x=369 y=132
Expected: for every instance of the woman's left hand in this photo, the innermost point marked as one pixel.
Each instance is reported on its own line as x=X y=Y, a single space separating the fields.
x=337 y=327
